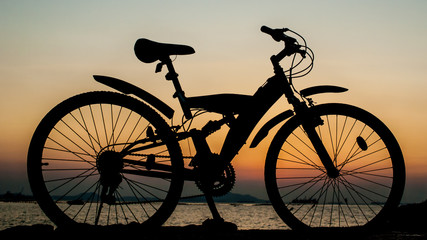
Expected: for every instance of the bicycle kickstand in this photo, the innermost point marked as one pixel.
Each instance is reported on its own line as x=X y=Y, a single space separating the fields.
x=212 y=207
x=217 y=223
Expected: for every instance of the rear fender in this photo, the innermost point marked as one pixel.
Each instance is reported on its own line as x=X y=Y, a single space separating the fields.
x=128 y=88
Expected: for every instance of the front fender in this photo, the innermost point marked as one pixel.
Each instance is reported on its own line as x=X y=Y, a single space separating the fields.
x=128 y=88
x=263 y=132
x=322 y=89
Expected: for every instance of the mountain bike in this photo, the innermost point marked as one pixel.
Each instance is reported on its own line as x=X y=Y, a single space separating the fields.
x=107 y=157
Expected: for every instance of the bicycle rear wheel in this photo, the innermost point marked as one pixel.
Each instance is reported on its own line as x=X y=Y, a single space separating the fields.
x=79 y=173
x=371 y=171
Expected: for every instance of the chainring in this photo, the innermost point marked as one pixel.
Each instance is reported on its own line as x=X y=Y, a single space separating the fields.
x=223 y=184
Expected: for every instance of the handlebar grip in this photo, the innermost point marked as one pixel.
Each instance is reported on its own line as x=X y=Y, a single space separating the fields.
x=266 y=29
x=277 y=34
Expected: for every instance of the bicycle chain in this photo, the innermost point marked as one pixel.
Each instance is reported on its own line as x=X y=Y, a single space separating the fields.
x=222 y=187
x=159 y=156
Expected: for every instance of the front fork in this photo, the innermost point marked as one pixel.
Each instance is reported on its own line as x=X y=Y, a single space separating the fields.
x=309 y=124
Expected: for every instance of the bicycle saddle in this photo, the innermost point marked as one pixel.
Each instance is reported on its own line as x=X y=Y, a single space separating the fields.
x=148 y=51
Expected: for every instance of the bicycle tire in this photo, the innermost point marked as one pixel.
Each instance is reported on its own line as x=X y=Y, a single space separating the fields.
x=370 y=161
x=63 y=162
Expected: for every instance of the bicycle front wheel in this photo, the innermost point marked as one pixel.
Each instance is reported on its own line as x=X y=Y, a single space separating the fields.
x=370 y=164
x=79 y=172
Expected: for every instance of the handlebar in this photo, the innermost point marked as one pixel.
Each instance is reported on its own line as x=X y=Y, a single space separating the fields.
x=278 y=34
x=291 y=44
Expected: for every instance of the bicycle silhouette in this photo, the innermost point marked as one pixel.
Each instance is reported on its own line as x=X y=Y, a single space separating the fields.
x=106 y=158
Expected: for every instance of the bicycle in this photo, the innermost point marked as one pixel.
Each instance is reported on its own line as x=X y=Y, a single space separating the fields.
x=107 y=158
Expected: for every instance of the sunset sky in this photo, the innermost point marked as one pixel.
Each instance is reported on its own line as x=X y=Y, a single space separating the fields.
x=49 y=51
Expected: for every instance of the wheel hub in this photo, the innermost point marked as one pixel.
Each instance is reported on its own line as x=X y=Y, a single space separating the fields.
x=110 y=165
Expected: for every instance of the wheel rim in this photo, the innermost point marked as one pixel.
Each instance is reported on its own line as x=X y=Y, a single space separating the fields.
x=75 y=158
x=305 y=196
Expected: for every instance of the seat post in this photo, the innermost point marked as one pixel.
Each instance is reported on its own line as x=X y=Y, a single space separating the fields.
x=173 y=76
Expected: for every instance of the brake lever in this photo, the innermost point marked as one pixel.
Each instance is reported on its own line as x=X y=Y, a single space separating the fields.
x=302 y=52
x=159 y=67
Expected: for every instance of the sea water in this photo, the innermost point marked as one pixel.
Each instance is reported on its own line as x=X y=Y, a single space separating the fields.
x=21 y=214
x=245 y=216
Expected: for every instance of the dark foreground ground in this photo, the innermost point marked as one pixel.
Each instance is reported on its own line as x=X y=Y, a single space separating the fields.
x=194 y=232
x=409 y=222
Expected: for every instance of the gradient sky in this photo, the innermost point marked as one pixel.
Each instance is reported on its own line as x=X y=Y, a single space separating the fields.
x=49 y=51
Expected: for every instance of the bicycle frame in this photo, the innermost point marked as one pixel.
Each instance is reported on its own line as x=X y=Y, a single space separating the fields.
x=250 y=109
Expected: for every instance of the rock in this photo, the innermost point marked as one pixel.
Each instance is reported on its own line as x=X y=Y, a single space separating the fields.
x=410 y=218
x=28 y=230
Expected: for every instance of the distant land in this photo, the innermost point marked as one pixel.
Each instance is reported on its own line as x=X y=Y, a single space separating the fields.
x=15 y=197
x=228 y=198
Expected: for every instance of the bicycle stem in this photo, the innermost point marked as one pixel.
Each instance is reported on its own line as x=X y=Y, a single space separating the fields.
x=278 y=71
